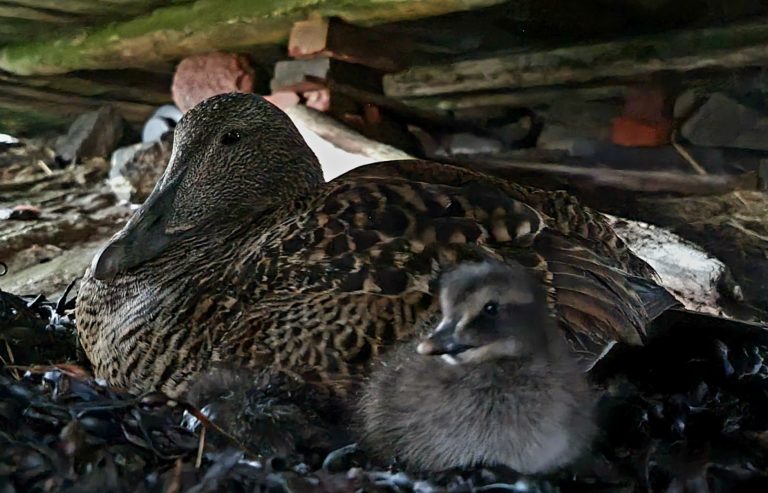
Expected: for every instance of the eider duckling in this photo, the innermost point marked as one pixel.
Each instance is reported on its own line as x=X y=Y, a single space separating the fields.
x=494 y=384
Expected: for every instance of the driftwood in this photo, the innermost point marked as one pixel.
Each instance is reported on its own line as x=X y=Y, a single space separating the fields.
x=723 y=47
x=733 y=227
x=342 y=136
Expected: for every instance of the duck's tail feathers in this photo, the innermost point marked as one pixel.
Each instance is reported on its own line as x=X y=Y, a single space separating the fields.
x=704 y=325
x=656 y=299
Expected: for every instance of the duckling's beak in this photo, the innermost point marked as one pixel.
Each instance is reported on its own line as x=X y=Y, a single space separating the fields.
x=442 y=340
x=142 y=239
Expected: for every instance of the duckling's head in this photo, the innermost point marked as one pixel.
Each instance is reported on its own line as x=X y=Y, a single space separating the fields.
x=235 y=157
x=490 y=310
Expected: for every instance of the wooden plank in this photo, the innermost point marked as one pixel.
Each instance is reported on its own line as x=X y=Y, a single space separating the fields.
x=27 y=13
x=634 y=58
x=89 y=7
x=175 y=31
x=342 y=136
x=39 y=104
x=523 y=98
x=130 y=85
x=314 y=74
x=588 y=180
x=426 y=118
x=340 y=40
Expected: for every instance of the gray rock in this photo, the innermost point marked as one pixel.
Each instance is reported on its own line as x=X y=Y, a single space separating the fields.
x=570 y=140
x=93 y=134
x=724 y=122
x=510 y=134
x=685 y=103
x=467 y=143
x=576 y=127
x=162 y=120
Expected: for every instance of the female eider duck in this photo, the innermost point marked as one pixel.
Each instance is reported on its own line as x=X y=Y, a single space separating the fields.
x=506 y=390
x=243 y=255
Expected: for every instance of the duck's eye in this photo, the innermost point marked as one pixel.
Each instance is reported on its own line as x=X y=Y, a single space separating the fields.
x=491 y=308
x=231 y=137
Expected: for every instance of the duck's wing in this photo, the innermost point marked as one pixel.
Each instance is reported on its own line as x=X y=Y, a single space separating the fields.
x=562 y=212
x=603 y=292
x=384 y=235
x=597 y=304
x=354 y=267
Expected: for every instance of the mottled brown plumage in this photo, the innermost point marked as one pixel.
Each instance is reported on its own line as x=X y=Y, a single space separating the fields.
x=243 y=255
x=495 y=383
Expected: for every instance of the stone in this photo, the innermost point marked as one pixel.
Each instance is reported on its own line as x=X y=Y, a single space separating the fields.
x=135 y=169
x=92 y=134
x=199 y=77
x=724 y=122
x=162 y=120
x=576 y=126
x=685 y=104
x=511 y=134
x=555 y=137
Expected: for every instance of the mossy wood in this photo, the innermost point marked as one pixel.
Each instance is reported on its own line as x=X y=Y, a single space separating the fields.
x=176 y=29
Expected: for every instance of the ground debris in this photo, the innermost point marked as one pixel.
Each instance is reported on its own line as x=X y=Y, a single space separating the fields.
x=688 y=411
x=35 y=330
x=52 y=217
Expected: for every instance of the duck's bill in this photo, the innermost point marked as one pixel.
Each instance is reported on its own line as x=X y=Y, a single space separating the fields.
x=143 y=238
x=442 y=341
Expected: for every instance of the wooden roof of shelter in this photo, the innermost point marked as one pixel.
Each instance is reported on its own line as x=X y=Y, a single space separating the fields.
x=60 y=58
x=40 y=40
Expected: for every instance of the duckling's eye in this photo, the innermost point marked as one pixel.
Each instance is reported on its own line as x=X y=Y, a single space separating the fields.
x=231 y=137
x=491 y=308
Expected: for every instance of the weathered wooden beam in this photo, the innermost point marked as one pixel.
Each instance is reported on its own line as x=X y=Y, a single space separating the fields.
x=310 y=75
x=342 y=136
x=427 y=118
x=22 y=120
x=337 y=39
x=583 y=180
x=202 y=26
x=522 y=98
x=130 y=85
x=30 y=105
x=723 y=47
x=20 y=12
x=88 y=7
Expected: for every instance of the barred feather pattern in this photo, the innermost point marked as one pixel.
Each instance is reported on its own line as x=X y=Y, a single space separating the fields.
x=321 y=284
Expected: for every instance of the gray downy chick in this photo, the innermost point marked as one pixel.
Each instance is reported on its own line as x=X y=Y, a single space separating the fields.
x=494 y=384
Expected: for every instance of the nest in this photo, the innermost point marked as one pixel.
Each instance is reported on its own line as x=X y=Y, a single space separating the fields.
x=689 y=411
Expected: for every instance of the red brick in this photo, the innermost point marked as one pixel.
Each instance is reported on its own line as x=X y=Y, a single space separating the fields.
x=630 y=132
x=202 y=76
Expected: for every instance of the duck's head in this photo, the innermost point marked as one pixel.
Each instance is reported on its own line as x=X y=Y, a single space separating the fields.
x=490 y=311
x=235 y=157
